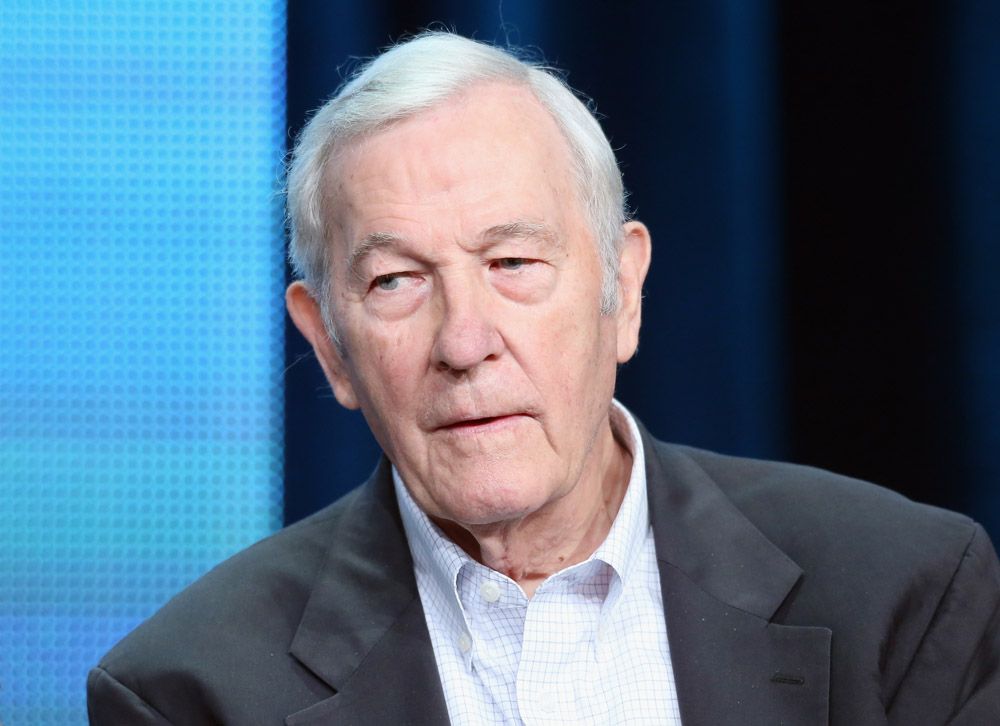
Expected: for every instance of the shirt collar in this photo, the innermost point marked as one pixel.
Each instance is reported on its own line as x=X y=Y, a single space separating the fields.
x=438 y=560
x=628 y=532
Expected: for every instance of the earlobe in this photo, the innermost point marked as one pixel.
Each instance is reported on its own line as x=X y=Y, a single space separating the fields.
x=634 y=263
x=305 y=313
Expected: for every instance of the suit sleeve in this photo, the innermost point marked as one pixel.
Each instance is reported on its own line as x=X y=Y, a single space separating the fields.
x=109 y=703
x=954 y=676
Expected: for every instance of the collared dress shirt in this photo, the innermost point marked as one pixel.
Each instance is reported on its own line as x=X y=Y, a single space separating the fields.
x=590 y=647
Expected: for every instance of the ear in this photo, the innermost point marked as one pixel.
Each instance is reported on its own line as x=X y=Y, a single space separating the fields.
x=306 y=315
x=634 y=263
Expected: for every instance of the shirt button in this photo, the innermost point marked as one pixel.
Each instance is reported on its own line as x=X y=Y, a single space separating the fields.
x=547 y=705
x=465 y=643
x=490 y=591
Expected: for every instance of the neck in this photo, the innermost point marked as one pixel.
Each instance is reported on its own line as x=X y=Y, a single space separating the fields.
x=564 y=532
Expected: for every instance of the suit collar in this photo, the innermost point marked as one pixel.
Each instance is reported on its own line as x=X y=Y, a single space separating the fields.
x=723 y=583
x=700 y=532
x=363 y=630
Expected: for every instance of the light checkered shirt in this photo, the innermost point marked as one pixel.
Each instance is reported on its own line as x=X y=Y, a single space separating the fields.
x=590 y=647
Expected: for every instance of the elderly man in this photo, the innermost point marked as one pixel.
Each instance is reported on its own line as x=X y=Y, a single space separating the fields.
x=526 y=552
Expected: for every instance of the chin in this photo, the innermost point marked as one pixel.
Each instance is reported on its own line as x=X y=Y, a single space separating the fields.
x=485 y=503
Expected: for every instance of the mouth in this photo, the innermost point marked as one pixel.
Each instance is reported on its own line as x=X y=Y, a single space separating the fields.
x=483 y=424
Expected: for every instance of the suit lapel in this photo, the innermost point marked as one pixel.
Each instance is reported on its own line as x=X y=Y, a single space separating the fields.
x=363 y=630
x=722 y=584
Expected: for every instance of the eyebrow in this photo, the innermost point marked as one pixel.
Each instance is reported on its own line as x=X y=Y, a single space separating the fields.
x=368 y=244
x=518 y=229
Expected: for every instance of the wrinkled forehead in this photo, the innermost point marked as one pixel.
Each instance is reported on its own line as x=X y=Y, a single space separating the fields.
x=490 y=144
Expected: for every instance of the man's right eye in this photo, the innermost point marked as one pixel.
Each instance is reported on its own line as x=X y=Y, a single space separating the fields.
x=388 y=282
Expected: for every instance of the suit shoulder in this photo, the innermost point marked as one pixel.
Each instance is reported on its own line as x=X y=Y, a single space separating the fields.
x=811 y=511
x=239 y=608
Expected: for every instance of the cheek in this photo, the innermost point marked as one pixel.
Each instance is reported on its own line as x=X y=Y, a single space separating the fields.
x=574 y=363
x=386 y=368
x=576 y=341
x=400 y=357
x=387 y=376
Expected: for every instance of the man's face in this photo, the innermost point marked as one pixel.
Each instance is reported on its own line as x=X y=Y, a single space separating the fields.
x=467 y=291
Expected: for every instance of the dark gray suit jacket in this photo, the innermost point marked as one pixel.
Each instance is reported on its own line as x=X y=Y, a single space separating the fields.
x=792 y=596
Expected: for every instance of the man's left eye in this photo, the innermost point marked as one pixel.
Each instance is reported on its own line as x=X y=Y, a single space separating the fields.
x=511 y=263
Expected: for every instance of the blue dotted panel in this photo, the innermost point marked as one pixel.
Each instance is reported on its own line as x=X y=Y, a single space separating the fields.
x=141 y=344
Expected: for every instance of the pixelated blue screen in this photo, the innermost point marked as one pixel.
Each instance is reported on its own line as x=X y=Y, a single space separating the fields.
x=141 y=338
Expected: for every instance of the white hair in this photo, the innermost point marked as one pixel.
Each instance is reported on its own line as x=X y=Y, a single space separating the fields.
x=417 y=75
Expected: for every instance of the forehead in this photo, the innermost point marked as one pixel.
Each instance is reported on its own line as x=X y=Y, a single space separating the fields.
x=485 y=157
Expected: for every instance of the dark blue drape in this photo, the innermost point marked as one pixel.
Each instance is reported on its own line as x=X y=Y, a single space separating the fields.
x=821 y=187
x=974 y=176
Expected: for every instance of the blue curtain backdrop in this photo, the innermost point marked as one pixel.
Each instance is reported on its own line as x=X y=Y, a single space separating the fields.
x=141 y=338
x=821 y=184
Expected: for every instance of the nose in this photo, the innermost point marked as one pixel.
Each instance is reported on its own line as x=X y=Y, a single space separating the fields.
x=467 y=334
